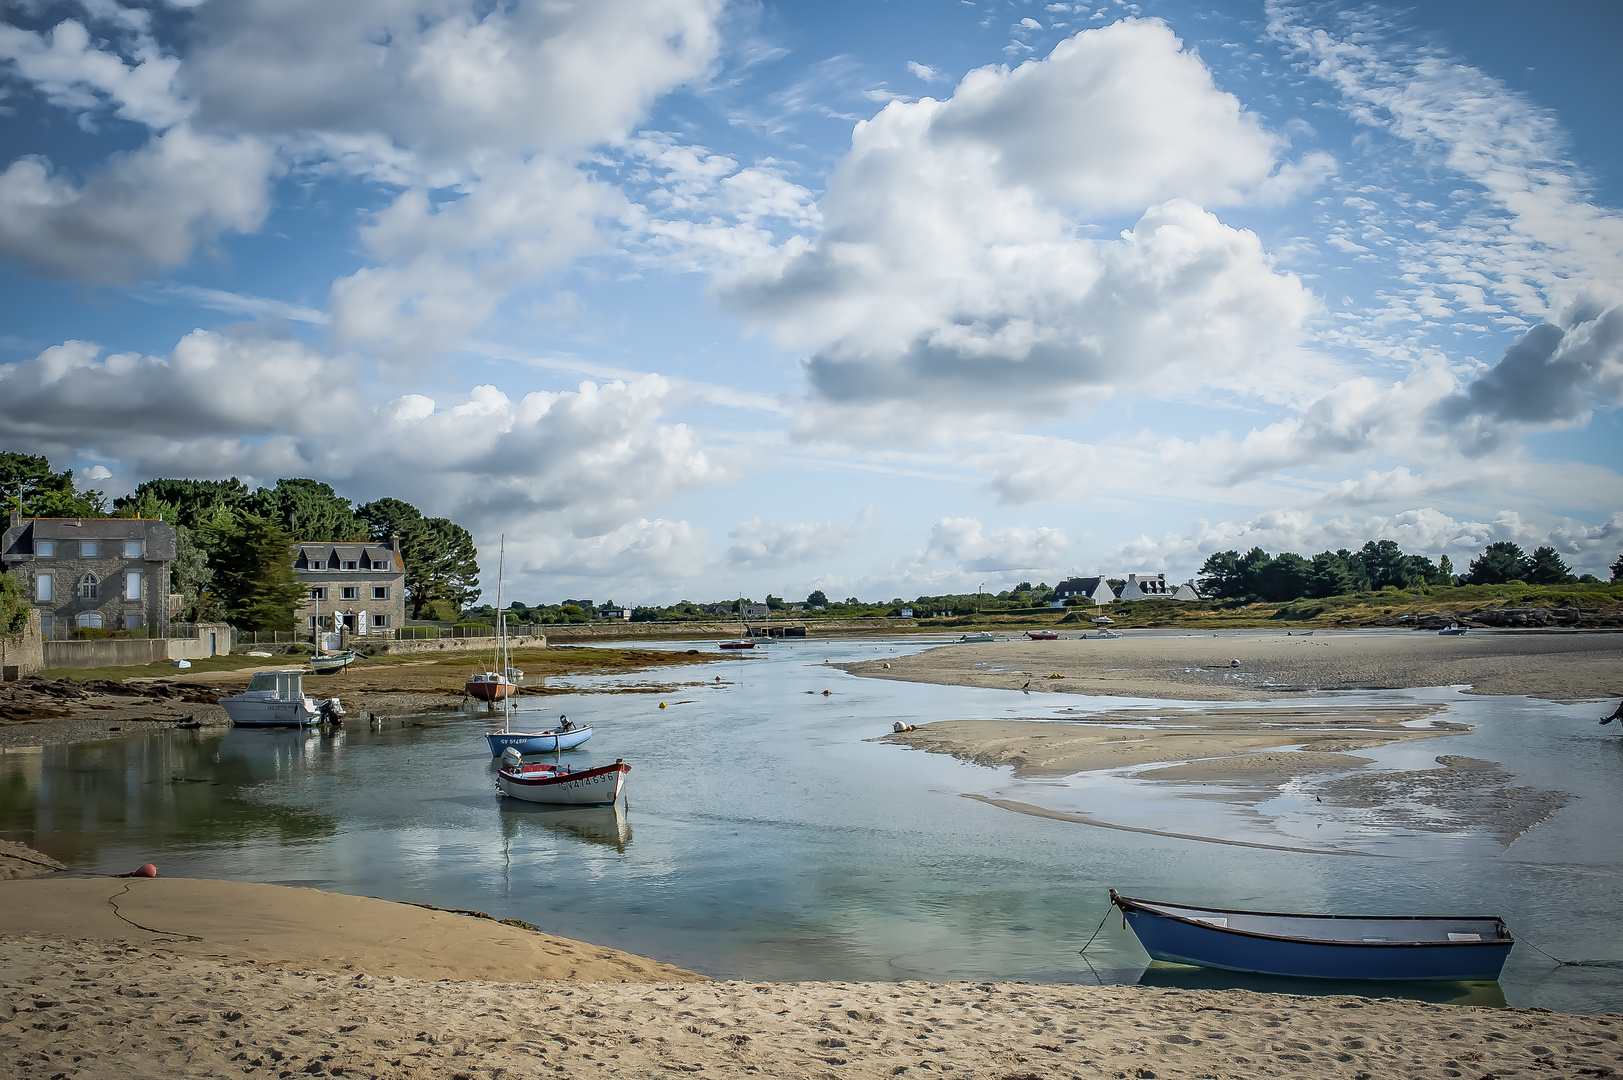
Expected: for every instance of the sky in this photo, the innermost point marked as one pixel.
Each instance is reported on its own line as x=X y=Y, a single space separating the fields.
x=698 y=299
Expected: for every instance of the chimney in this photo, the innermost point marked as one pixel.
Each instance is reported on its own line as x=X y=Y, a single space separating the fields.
x=16 y=518
x=394 y=543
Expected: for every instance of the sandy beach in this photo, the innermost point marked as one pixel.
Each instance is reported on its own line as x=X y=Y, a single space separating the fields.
x=262 y=983
x=1557 y=666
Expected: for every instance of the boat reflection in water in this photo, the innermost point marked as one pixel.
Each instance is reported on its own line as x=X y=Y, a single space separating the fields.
x=604 y=826
x=1484 y=995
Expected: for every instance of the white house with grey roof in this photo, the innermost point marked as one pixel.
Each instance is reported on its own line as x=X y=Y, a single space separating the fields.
x=359 y=589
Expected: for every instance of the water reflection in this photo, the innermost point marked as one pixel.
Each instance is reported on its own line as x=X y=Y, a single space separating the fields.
x=605 y=826
x=1483 y=995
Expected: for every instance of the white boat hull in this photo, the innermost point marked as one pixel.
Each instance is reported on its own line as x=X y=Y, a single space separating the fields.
x=271 y=713
x=560 y=786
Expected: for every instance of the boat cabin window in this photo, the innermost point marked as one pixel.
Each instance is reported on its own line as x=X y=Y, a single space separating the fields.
x=265 y=680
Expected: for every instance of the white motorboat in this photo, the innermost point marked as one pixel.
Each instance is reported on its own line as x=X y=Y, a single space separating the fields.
x=560 y=785
x=276 y=699
x=983 y=635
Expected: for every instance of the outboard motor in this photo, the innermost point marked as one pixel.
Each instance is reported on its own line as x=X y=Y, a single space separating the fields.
x=512 y=760
x=332 y=711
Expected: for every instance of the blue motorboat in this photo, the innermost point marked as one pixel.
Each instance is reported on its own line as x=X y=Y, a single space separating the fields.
x=1436 y=948
x=563 y=735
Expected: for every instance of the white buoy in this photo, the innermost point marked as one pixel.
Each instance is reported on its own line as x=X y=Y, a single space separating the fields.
x=1234 y=663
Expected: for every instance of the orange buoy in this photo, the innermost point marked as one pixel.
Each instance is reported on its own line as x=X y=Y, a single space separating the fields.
x=146 y=870
x=826 y=693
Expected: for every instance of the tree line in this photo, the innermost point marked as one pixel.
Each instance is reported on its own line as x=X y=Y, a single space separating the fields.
x=1377 y=565
x=233 y=560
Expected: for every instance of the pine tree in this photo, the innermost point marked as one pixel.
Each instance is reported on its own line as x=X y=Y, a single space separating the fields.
x=254 y=575
x=1545 y=567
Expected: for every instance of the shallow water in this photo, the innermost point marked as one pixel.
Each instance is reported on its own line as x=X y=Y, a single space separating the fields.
x=767 y=838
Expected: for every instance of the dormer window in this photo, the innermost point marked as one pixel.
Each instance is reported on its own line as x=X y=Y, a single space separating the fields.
x=352 y=564
x=87 y=549
x=45 y=549
x=132 y=549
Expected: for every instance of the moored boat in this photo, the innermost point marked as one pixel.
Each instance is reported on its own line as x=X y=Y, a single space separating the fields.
x=1042 y=635
x=983 y=635
x=1452 y=628
x=563 y=735
x=560 y=785
x=738 y=645
x=1436 y=948
x=488 y=686
x=276 y=699
x=332 y=663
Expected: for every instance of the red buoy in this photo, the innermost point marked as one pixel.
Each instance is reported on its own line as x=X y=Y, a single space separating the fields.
x=146 y=870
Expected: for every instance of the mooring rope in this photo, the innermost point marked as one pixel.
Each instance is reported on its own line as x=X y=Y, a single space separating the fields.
x=1572 y=963
x=138 y=926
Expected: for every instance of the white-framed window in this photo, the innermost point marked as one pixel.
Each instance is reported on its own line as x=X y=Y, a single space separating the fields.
x=90 y=620
x=318 y=593
x=351 y=592
x=312 y=622
x=87 y=588
x=380 y=620
x=132 y=621
x=42 y=588
x=45 y=624
x=132 y=549
x=351 y=564
x=87 y=549
x=45 y=549
x=381 y=565
x=380 y=592
x=132 y=586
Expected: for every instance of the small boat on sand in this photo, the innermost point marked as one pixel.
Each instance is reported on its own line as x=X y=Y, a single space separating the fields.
x=332 y=663
x=1042 y=635
x=1102 y=620
x=738 y=644
x=1437 y=948
x=276 y=699
x=1452 y=629
x=983 y=635
x=560 y=784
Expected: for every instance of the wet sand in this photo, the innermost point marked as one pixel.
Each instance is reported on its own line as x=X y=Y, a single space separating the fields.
x=1560 y=666
x=139 y=978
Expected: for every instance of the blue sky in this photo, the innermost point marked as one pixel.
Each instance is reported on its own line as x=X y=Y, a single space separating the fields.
x=693 y=299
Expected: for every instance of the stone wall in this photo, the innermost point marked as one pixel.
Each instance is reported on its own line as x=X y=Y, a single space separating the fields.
x=474 y=645
x=107 y=652
x=24 y=653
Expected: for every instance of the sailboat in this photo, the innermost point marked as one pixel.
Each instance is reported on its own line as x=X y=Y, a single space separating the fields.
x=743 y=641
x=328 y=663
x=495 y=685
x=562 y=736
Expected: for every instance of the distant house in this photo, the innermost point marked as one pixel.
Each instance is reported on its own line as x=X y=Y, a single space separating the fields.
x=1096 y=589
x=907 y=613
x=719 y=609
x=615 y=613
x=358 y=588
x=92 y=573
x=756 y=611
x=1155 y=587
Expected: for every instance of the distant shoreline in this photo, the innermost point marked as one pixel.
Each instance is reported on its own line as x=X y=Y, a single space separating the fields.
x=1561 y=666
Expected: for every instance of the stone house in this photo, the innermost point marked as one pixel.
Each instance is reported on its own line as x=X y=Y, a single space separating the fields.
x=92 y=573
x=359 y=589
x=1155 y=587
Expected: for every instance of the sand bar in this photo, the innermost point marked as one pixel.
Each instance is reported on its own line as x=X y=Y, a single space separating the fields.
x=102 y=1009
x=1559 y=666
x=283 y=927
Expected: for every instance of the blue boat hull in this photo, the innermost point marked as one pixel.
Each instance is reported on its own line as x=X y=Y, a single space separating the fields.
x=1348 y=948
x=544 y=742
x=1179 y=943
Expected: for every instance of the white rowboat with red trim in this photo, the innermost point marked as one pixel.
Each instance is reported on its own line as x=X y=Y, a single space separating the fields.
x=560 y=785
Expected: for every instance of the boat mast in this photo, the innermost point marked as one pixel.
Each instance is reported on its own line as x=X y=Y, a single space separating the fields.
x=501 y=637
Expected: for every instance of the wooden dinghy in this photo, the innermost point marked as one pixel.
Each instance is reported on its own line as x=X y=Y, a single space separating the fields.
x=1439 y=948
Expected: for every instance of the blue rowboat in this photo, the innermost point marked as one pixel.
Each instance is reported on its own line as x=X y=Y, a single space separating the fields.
x=537 y=742
x=1438 y=948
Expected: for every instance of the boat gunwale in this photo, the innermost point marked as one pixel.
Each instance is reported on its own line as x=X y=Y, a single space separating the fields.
x=560 y=778
x=1149 y=907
